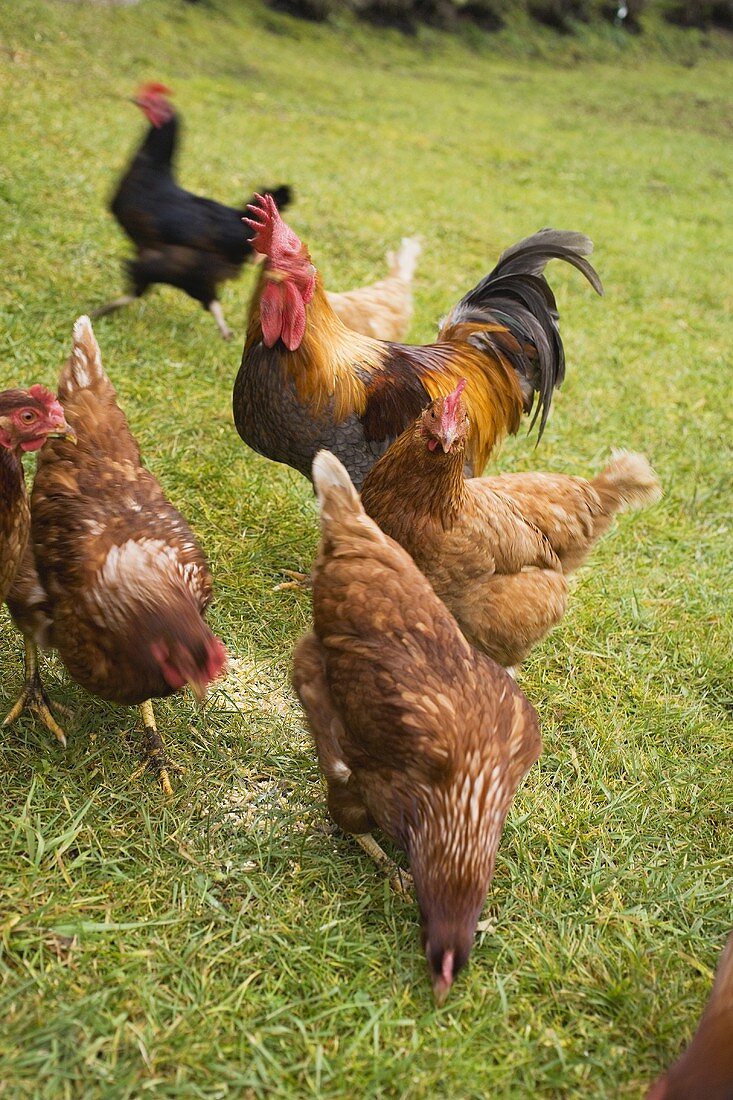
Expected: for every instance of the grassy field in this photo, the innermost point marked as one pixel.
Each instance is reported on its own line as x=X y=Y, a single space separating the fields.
x=227 y=943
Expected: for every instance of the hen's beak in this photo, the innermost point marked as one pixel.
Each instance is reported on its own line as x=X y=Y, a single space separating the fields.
x=275 y=275
x=447 y=439
x=64 y=432
x=441 y=989
x=199 y=690
x=442 y=982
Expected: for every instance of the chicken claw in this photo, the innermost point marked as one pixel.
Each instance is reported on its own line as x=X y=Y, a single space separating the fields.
x=299 y=581
x=399 y=880
x=33 y=697
x=156 y=757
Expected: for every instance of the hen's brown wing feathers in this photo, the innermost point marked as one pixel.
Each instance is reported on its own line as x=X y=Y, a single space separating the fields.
x=14 y=519
x=119 y=564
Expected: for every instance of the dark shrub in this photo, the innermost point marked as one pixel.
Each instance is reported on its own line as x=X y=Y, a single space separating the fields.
x=700 y=13
x=486 y=14
x=560 y=14
x=436 y=13
x=317 y=11
x=389 y=13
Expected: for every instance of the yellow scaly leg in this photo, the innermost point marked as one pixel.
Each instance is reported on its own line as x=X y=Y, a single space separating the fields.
x=155 y=755
x=400 y=881
x=33 y=697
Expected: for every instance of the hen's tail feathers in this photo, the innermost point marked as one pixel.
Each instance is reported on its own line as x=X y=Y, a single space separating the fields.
x=334 y=488
x=627 y=483
x=403 y=262
x=517 y=295
x=84 y=370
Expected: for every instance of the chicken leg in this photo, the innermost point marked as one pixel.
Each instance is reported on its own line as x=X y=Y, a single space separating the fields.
x=110 y=307
x=33 y=697
x=217 y=313
x=344 y=801
x=156 y=757
x=399 y=880
x=302 y=582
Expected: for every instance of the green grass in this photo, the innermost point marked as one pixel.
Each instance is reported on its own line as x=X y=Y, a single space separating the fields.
x=226 y=944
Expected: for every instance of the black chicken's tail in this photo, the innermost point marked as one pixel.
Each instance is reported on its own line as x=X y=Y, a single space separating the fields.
x=517 y=295
x=283 y=195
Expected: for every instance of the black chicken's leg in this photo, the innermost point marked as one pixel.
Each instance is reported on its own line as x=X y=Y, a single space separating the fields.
x=217 y=313
x=116 y=303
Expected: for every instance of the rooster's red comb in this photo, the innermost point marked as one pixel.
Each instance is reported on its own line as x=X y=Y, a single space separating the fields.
x=273 y=238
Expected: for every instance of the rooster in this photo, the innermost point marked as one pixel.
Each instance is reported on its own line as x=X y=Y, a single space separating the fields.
x=496 y=549
x=705 y=1070
x=121 y=584
x=383 y=309
x=306 y=382
x=181 y=239
x=416 y=732
x=27 y=419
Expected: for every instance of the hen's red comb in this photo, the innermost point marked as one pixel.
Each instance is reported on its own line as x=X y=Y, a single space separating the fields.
x=452 y=402
x=152 y=89
x=273 y=238
x=42 y=395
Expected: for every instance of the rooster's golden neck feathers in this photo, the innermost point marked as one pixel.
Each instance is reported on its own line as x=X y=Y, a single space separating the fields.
x=327 y=364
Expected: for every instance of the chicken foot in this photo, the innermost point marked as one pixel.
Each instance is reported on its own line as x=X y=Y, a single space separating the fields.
x=156 y=757
x=399 y=880
x=33 y=697
x=217 y=313
x=115 y=304
x=299 y=581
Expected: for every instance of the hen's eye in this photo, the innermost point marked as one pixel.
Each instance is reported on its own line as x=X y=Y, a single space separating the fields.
x=28 y=416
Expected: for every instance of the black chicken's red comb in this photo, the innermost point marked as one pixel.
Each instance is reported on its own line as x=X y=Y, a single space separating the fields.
x=152 y=89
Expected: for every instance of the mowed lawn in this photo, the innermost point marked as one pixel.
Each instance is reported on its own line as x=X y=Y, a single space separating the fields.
x=228 y=942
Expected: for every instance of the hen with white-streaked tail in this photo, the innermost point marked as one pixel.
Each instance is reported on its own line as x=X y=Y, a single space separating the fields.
x=417 y=733
x=120 y=584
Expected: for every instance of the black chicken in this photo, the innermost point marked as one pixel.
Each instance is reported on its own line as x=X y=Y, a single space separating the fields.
x=181 y=239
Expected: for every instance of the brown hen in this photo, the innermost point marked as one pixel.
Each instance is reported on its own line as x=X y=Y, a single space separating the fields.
x=121 y=583
x=705 y=1070
x=496 y=549
x=416 y=732
x=27 y=419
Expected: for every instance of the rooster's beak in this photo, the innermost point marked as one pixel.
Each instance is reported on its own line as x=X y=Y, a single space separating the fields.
x=275 y=276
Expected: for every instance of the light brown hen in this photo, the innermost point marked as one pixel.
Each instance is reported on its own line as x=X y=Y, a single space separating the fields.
x=496 y=549
x=382 y=310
